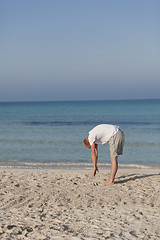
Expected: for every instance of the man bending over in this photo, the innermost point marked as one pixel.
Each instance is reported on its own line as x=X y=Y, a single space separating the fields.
x=101 y=134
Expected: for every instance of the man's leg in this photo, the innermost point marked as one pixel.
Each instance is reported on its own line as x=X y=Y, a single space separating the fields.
x=114 y=168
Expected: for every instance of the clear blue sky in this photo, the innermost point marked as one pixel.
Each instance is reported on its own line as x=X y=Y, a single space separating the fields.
x=79 y=49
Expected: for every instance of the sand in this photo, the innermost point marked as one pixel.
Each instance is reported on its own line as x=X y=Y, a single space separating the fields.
x=72 y=204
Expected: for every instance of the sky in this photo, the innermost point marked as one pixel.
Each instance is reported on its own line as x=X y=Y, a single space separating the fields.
x=79 y=50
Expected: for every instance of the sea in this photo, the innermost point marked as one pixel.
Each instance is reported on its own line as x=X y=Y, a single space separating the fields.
x=50 y=134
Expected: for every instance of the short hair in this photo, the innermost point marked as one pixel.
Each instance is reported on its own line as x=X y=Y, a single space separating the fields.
x=86 y=142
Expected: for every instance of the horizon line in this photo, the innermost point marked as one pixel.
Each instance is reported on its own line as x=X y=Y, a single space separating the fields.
x=84 y=100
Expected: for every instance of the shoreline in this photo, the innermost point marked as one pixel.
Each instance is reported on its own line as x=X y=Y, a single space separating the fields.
x=70 y=165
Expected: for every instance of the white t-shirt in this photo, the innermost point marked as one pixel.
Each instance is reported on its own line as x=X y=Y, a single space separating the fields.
x=102 y=133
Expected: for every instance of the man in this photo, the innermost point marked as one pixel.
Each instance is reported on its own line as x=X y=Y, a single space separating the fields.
x=101 y=134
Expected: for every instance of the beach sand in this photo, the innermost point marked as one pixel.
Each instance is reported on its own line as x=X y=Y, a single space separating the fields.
x=72 y=204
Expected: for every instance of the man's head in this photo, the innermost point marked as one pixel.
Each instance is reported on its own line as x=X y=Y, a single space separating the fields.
x=86 y=143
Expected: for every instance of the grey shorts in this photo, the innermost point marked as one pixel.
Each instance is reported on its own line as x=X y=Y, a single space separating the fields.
x=116 y=143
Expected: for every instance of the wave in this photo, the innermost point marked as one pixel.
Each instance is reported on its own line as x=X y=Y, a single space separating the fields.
x=66 y=142
x=39 y=142
x=141 y=144
x=70 y=165
x=85 y=123
x=60 y=123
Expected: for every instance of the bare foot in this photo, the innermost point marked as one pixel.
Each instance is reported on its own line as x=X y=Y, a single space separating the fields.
x=108 y=183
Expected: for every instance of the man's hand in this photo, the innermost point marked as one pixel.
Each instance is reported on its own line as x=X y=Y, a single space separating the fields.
x=95 y=170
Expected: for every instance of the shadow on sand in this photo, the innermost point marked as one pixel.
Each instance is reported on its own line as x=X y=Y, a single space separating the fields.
x=133 y=177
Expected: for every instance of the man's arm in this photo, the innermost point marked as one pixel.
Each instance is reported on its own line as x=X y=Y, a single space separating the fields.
x=94 y=157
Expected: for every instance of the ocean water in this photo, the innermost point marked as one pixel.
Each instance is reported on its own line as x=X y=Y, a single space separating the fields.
x=51 y=133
